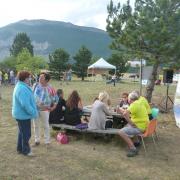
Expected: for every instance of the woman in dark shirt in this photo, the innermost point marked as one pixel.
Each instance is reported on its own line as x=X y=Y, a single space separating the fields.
x=73 y=109
x=57 y=115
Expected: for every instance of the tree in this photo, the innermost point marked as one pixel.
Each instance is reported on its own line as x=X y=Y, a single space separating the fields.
x=94 y=59
x=82 y=58
x=120 y=61
x=150 y=31
x=21 y=41
x=26 y=62
x=58 y=62
x=8 y=63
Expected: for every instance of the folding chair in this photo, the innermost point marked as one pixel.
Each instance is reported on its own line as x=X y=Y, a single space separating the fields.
x=155 y=112
x=150 y=131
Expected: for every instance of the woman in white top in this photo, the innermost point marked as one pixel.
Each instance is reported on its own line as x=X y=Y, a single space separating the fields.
x=99 y=112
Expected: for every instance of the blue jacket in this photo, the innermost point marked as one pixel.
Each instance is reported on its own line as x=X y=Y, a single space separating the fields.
x=23 y=105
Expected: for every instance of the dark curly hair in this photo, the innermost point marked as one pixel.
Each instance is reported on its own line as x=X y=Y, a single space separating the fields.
x=73 y=100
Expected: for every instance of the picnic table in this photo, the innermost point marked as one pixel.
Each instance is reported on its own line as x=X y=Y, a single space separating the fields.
x=115 y=117
x=118 y=120
x=87 y=111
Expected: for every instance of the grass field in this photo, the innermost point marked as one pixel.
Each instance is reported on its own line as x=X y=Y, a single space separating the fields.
x=88 y=158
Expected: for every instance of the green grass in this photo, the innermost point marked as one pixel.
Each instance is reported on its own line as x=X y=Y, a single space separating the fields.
x=85 y=157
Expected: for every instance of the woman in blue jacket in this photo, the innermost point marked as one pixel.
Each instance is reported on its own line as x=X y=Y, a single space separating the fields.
x=23 y=110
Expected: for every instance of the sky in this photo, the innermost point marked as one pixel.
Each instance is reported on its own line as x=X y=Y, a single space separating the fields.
x=91 y=13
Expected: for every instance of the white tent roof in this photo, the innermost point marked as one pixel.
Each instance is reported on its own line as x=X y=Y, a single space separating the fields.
x=101 y=64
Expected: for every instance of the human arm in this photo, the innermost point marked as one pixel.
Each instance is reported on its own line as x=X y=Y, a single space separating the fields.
x=126 y=115
x=105 y=109
x=80 y=105
x=27 y=102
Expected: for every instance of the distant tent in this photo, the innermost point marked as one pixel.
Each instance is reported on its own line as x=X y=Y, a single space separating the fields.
x=101 y=66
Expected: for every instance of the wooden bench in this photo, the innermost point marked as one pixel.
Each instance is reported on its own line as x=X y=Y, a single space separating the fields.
x=99 y=131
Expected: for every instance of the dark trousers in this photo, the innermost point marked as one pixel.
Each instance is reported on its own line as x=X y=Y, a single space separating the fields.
x=108 y=124
x=24 y=135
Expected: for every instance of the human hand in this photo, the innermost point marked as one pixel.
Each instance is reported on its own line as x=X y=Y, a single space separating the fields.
x=133 y=125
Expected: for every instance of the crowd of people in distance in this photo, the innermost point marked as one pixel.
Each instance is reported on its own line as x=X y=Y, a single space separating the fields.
x=44 y=105
x=7 y=77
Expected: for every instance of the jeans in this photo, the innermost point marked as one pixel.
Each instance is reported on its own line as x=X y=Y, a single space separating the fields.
x=24 y=135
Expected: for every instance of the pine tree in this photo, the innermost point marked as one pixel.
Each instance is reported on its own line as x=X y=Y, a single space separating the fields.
x=58 y=62
x=151 y=32
x=21 y=41
x=82 y=58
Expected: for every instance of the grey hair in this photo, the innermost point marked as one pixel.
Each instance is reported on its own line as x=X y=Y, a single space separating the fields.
x=133 y=96
x=136 y=92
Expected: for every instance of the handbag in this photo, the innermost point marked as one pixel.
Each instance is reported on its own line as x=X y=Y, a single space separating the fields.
x=62 y=138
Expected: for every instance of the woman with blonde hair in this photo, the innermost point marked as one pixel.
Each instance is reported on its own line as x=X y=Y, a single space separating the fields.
x=99 y=112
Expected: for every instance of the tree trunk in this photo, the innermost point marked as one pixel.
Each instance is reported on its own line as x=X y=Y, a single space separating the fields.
x=152 y=79
x=82 y=76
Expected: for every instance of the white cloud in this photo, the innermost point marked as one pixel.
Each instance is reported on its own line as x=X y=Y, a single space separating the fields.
x=81 y=12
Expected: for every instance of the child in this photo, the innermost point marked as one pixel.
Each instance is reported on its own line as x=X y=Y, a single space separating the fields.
x=57 y=115
x=124 y=101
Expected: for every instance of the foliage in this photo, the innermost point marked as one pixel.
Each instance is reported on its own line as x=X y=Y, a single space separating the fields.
x=26 y=62
x=8 y=63
x=82 y=58
x=21 y=41
x=94 y=59
x=150 y=31
x=58 y=62
x=120 y=61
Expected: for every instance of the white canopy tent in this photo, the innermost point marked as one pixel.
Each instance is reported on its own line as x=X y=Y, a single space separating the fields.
x=101 y=66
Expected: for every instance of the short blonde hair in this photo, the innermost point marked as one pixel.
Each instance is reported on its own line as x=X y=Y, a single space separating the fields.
x=103 y=96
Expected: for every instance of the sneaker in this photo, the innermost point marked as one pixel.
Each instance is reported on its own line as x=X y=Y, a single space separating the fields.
x=30 y=154
x=36 y=144
x=137 y=144
x=132 y=152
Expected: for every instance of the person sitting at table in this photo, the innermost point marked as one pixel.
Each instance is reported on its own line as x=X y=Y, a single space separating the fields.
x=73 y=110
x=145 y=102
x=120 y=122
x=124 y=101
x=137 y=118
x=99 y=112
x=57 y=115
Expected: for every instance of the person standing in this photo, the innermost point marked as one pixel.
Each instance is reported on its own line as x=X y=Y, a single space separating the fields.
x=11 y=75
x=23 y=110
x=113 y=80
x=6 y=78
x=46 y=100
x=0 y=82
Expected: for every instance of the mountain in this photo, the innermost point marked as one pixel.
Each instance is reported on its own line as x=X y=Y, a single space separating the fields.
x=46 y=36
